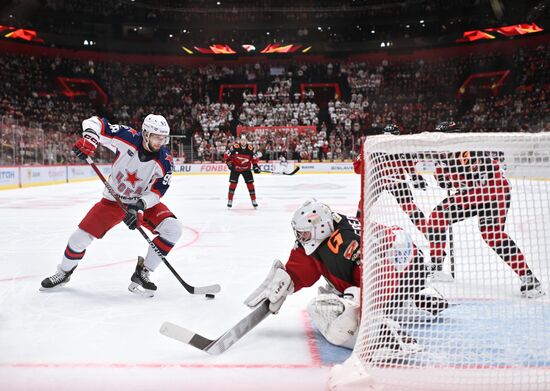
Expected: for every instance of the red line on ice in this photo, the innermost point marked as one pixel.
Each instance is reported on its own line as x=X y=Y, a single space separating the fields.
x=311 y=341
x=159 y=365
x=196 y=237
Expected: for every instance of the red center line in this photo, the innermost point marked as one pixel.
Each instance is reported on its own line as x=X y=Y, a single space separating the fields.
x=159 y=365
x=196 y=237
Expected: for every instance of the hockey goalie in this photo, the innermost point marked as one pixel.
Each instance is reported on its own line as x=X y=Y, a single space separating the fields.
x=328 y=245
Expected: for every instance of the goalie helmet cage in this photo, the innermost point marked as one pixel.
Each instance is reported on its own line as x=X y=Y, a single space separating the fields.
x=490 y=337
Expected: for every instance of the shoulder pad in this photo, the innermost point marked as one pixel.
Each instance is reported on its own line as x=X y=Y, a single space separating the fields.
x=236 y=145
x=250 y=147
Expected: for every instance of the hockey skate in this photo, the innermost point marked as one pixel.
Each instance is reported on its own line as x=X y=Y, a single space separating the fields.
x=254 y=204
x=140 y=281
x=421 y=307
x=393 y=344
x=59 y=279
x=229 y=203
x=531 y=286
x=436 y=273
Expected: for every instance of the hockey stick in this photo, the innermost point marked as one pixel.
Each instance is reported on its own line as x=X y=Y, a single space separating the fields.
x=196 y=290
x=283 y=173
x=451 y=247
x=220 y=345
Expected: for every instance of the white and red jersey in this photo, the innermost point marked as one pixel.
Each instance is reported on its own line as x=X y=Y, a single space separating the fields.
x=136 y=174
x=241 y=157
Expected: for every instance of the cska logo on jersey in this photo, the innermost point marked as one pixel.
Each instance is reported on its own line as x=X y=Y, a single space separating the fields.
x=132 y=177
x=133 y=131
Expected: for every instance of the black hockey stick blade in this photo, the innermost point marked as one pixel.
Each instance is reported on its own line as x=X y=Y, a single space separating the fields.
x=296 y=169
x=220 y=345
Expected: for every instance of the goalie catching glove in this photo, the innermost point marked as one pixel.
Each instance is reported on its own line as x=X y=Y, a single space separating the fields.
x=275 y=288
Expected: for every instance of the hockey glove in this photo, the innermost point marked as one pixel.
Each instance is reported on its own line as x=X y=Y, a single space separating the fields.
x=134 y=215
x=230 y=166
x=275 y=288
x=86 y=145
x=256 y=169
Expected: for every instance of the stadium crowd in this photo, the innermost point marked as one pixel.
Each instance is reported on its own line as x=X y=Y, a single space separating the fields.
x=415 y=95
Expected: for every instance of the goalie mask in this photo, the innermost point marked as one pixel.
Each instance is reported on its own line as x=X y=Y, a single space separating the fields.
x=158 y=126
x=312 y=224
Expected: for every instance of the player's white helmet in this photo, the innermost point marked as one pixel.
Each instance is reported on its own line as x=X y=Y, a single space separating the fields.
x=243 y=141
x=155 y=124
x=312 y=224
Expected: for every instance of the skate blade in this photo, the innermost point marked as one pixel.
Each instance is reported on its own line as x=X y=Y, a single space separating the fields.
x=53 y=288
x=440 y=277
x=391 y=356
x=533 y=293
x=137 y=289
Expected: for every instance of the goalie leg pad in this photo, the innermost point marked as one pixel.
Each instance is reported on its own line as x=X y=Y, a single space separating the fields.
x=336 y=318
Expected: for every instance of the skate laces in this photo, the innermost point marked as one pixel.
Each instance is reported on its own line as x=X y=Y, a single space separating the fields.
x=144 y=274
x=58 y=277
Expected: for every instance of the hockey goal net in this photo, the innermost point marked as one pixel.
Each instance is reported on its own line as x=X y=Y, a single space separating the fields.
x=456 y=249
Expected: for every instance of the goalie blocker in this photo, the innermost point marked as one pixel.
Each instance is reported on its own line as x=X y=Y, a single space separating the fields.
x=327 y=245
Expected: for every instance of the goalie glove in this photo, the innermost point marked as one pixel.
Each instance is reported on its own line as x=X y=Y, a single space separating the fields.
x=275 y=288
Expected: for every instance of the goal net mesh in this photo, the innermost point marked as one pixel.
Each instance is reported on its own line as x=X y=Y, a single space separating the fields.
x=455 y=258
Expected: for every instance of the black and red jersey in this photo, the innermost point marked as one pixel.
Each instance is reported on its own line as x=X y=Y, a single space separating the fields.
x=470 y=170
x=394 y=167
x=241 y=157
x=337 y=258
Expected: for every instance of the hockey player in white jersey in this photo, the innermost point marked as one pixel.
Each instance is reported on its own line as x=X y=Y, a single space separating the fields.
x=140 y=175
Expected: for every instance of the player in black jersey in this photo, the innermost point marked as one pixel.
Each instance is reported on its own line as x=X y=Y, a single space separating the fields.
x=328 y=245
x=241 y=159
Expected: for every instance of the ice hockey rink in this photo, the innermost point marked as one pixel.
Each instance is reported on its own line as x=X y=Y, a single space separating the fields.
x=93 y=334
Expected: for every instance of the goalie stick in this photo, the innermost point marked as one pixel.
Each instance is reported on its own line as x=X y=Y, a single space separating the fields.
x=282 y=173
x=221 y=344
x=195 y=290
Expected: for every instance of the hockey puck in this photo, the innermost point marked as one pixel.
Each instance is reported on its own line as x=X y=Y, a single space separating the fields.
x=209 y=296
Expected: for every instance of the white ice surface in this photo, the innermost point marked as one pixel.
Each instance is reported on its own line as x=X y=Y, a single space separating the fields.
x=95 y=335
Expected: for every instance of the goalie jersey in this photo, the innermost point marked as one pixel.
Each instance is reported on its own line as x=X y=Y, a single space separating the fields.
x=136 y=173
x=337 y=258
